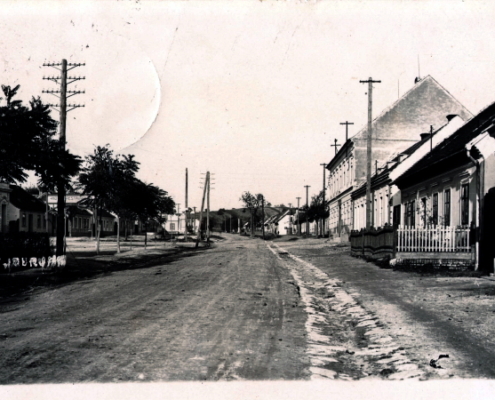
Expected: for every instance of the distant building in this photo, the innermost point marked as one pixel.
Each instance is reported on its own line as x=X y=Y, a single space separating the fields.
x=394 y=130
x=21 y=211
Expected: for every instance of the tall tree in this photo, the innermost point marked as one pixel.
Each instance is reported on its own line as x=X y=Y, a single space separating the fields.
x=27 y=134
x=111 y=184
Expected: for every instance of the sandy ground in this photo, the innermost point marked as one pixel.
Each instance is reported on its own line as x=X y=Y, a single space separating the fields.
x=226 y=313
x=427 y=315
x=243 y=310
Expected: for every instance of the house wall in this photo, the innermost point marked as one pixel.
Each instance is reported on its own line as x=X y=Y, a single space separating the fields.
x=341 y=179
x=396 y=129
x=381 y=212
x=80 y=225
x=23 y=219
x=453 y=181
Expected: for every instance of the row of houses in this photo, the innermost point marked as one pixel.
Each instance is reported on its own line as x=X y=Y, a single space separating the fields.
x=433 y=178
x=24 y=212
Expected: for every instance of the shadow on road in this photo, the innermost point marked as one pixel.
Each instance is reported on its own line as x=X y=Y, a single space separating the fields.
x=16 y=286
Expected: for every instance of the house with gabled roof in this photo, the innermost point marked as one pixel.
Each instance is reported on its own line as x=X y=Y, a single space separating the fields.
x=447 y=197
x=283 y=223
x=386 y=197
x=394 y=130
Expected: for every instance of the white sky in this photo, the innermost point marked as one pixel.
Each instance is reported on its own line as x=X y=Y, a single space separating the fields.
x=252 y=91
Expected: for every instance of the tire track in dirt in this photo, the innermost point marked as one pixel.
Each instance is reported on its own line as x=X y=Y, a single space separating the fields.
x=344 y=340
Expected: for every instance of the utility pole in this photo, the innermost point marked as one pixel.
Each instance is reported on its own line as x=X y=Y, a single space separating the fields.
x=307 y=221
x=346 y=123
x=324 y=204
x=290 y=220
x=263 y=213
x=335 y=145
x=208 y=212
x=178 y=217
x=298 y=220
x=187 y=212
x=370 y=82
x=201 y=210
x=63 y=94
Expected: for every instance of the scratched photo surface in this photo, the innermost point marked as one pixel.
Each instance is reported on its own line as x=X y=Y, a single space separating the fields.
x=247 y=199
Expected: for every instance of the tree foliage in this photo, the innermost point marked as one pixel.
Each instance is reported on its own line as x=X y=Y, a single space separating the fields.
x=317 y=209
x=111 y=183
x=254 y=203
x=27 y=134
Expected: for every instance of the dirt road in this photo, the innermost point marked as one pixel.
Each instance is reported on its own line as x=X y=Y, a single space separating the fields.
x=227 y=313
x=426 y=315
x=242 y=310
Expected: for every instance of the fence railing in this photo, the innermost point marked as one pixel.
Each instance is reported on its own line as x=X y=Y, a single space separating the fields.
x=373 y=243
x=434 y=239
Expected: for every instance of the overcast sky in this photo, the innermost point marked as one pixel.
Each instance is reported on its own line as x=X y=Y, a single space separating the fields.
x=252 y=91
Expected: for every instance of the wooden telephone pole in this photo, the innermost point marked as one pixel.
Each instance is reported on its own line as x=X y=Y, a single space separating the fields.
x=207 y=182
x=370 y=82
x=346 y=123
x=307 y=205
x=298 y=219
x=336 y=146
x=64 y=108
x=186 y=212
x=324 y=204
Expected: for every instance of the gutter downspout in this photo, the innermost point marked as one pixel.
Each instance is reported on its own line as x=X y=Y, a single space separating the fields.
x=479 y=194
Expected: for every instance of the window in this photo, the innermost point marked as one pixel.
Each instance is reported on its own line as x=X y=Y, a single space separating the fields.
x=396 y=216
x=411 y=213
x=465 y=204
x=44 y=222
x=23 y=220
x=434 y=209
x=446 y=207
x=172 y=226
x=38 y=221
x=424 y=215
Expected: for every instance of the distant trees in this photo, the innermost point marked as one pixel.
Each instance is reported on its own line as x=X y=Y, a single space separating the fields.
x=111 y=184
x=28 y=143
x=254 y=202
x=317 y=211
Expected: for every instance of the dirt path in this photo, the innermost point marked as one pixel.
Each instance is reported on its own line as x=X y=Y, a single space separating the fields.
x=226 y=313
x=425 y=315
x=249 y=310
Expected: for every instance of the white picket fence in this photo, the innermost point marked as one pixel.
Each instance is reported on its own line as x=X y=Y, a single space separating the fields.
x=434 y=239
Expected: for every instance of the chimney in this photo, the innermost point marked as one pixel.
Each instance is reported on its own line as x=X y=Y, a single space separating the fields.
x=424 y=135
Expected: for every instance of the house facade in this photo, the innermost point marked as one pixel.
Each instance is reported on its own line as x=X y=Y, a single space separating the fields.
x=385 y=197
x=443 y=196
x=21 y=211
x=282 y=224
x=394 y=130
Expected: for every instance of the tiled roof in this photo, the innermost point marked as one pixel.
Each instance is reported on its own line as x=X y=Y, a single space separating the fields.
x=450 y=152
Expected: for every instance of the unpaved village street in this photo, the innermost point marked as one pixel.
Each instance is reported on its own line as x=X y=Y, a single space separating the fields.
x=244 y=310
